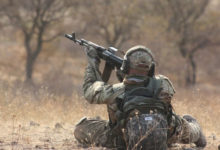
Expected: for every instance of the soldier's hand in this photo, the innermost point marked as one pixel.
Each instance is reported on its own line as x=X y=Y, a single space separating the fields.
x=92 y=55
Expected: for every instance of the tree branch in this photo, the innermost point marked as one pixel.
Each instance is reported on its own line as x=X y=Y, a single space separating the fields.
x=53 y=37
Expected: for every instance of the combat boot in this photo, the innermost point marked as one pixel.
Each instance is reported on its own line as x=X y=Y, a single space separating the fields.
x=201 y=142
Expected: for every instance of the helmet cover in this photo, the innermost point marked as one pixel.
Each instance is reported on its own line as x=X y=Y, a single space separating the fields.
x=139 y=57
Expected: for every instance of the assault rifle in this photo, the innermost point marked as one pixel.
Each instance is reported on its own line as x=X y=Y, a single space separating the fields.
x=107 y=54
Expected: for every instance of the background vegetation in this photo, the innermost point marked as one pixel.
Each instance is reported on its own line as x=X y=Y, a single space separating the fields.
x=41 y=72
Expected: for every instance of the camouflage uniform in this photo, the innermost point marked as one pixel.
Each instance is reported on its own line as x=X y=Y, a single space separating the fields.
x=187 y=131
x=141 y=130
x=98 y=132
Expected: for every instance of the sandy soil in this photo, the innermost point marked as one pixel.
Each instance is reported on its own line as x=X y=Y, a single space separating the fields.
x=32 y=135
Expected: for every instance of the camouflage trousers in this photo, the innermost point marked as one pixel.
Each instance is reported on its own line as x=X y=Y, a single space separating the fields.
x=145 y=131
x=96 y=132
x=185 y=132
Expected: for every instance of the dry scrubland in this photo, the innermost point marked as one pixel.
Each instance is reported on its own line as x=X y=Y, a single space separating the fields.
x=48 y=122
x=43 y=116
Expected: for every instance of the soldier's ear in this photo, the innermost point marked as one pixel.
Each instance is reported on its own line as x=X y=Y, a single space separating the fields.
x=151 y=72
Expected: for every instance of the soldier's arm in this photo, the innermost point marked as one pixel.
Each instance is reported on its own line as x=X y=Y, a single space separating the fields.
x=95 y=90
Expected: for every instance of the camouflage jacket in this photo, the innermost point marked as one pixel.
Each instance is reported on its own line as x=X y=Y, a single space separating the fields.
x=98 y=92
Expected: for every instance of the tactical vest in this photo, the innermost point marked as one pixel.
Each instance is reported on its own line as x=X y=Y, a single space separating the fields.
x=142 y=98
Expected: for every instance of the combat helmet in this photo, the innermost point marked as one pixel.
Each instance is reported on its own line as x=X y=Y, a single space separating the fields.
x=138 y=57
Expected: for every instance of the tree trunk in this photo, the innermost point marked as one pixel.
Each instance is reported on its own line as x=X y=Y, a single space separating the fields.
x=190 y=71
x=29 y=67
x=29 y=61
x=32 y=54
x=194 y=67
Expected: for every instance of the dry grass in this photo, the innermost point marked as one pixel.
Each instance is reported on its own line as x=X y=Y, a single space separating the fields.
x=42 y=120
x=204 y=105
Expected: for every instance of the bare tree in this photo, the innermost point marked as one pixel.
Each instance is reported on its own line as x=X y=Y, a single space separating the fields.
x=113 y=21
x=36 y=20
x=191 y=31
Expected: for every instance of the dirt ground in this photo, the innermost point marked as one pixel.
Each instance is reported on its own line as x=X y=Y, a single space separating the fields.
x=32 y=135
